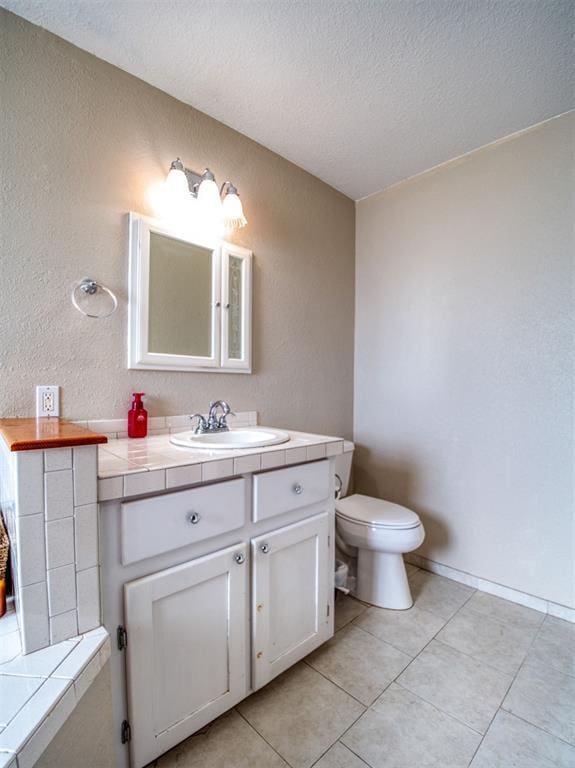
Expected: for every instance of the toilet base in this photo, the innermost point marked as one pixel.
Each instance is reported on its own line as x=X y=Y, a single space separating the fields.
x=382 y=580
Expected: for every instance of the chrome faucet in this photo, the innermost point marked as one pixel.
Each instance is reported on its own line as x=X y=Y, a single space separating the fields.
x=213 y=423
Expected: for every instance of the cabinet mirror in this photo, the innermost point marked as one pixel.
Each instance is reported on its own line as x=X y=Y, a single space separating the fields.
x=190 y=301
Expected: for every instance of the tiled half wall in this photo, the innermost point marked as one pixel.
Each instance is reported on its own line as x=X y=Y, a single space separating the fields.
x=49 y=501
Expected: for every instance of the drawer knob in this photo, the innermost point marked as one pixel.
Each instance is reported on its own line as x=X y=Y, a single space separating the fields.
x=240 y=558
x=194 y=518
x=265 y=548
x=298 y=488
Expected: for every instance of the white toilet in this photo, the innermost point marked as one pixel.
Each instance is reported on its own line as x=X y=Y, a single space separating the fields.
x=377 y=533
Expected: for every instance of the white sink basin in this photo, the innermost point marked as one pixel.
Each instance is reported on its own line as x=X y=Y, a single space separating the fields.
x=251 y=437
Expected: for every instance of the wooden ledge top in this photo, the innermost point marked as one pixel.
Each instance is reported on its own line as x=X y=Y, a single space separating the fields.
x=37 y=434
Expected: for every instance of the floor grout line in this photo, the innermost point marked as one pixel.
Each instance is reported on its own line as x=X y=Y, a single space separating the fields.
x=537 y=727
x=514 y=677
x=337 y=685
x=255 y=730
x=438 y=709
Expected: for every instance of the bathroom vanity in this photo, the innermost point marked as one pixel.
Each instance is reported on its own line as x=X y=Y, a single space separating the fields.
x=214 y=586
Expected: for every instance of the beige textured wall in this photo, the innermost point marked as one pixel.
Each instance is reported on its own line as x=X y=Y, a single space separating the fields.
x=86 y=740
x=464 y=383
x=81 y=144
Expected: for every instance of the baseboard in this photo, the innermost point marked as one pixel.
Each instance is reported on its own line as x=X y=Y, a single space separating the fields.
x=513 y=595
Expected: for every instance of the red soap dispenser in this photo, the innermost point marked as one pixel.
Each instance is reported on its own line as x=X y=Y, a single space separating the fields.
x=137 y=417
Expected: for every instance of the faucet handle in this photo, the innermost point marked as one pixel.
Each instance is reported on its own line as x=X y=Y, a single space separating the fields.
x=222 y=421
x=202 y=423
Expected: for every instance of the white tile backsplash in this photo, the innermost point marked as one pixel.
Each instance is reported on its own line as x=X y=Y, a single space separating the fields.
x=57 y=458
x=61 y=589
x=63 y=626
x=37 y=744
x=144 y=482
x=59 y=494
x=177 y=476
x=215 y=470
x=29 y=485
x=42 y=663
x=334 y=449
x=315 y=452
x=110 y=488
x=33 y=714
x=60 y=542
x=31 y=549
x=85 y=475
x=88 y=599
x=250 y=463
x=86 y=536
x=273 y=459
x=14 y=693
x=33 y=616
x=104 y=426
x=296 y=455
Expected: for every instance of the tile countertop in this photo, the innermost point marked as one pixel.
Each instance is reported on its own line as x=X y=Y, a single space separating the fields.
x=39 y=691
x=138 y=466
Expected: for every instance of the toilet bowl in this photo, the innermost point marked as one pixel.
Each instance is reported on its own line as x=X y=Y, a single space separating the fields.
x=380 y=533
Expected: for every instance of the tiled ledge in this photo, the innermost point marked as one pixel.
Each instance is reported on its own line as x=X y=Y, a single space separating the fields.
x=136 y=467
x=116 y=429
x=39 y=691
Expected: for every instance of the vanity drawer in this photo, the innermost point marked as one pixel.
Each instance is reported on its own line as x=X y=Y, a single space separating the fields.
x=284 y=490
x=160 y=524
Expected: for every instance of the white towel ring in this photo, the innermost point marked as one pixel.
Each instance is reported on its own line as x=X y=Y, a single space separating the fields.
x=90 y=287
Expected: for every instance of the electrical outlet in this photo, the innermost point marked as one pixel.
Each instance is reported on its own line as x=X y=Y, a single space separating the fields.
x=47 y=401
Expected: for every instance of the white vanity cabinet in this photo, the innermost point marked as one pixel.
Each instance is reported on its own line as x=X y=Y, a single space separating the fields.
x=291 y=595
x=186 y=659
x=217 y=589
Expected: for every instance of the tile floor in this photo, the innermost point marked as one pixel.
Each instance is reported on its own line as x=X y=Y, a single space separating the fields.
x=461 y=679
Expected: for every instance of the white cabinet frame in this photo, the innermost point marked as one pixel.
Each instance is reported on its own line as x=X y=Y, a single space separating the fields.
x=139 y=355
x=244 y=362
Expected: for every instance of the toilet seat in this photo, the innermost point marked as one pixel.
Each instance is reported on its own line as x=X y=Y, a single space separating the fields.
x=376 y=513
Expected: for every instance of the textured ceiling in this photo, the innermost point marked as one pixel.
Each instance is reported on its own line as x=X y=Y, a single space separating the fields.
x=360 y=93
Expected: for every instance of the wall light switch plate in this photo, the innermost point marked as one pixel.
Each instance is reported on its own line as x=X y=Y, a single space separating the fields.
x=47 y=401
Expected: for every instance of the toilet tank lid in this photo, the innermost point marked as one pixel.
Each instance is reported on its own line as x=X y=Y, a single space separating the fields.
x=376 y=512
x=348 y=446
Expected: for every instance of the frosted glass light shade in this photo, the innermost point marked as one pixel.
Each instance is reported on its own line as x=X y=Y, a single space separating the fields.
x=233 y=211
x=209 y=196
x=177 y=184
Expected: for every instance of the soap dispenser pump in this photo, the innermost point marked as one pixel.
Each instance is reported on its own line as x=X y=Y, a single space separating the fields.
x=137 y=417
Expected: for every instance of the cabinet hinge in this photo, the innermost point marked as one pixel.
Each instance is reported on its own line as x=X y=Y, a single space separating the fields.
x=126 y=732
x=121 y=638
x=328 y=610
x=328 y=540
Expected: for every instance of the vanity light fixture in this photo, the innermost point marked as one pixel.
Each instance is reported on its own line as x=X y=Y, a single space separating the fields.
x=232 y=208
x=183 y=185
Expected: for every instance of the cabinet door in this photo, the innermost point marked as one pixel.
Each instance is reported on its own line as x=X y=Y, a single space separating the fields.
x=174 y=310
x=236 y=307
x=292 y=595
x=186 y=654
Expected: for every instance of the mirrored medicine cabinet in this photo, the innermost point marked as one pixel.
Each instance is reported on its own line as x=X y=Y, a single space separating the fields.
x=190 y=301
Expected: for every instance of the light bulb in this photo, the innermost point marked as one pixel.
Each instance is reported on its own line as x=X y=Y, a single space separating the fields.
x=232 y=209
x=177 y=182
x=209 y=195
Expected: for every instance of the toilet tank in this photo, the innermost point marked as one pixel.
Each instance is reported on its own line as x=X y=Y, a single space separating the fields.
x=343 y=466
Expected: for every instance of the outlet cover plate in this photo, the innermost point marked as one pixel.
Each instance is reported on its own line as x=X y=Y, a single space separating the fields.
x=47 y=400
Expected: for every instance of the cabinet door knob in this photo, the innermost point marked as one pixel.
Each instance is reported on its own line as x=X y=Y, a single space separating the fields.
x=265 y=548
x=194 y=517
x=240 y=558
x=298 y=488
